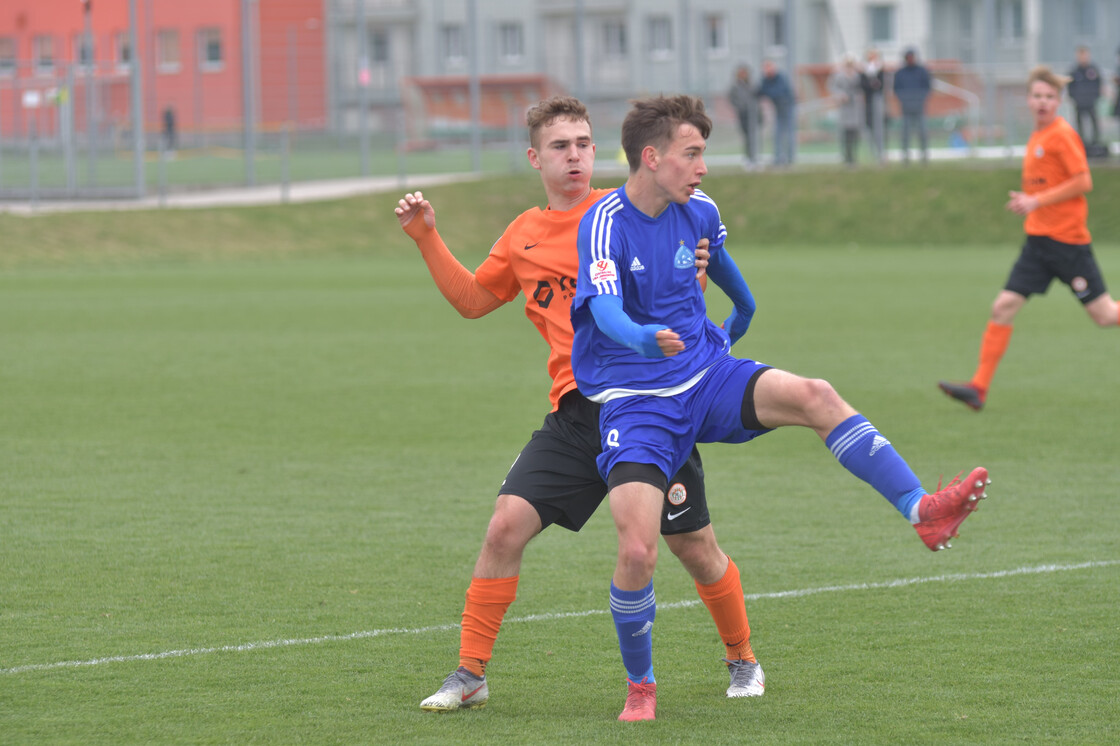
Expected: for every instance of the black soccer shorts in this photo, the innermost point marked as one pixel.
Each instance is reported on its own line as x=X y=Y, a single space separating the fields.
x=556 y=473
x=1043 y=259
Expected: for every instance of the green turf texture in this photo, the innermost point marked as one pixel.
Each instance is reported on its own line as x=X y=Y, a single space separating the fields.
x=252 y=454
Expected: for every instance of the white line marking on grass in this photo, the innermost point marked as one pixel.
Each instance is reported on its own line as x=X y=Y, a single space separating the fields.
x=269 y=644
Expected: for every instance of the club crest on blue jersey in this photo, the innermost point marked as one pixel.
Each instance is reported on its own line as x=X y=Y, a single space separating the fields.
x=685 y=257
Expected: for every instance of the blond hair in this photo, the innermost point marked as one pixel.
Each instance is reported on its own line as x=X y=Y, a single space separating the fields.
x=1043 y=74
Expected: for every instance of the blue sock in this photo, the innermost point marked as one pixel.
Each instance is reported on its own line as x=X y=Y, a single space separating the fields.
x=860 y=449
x=633 y=613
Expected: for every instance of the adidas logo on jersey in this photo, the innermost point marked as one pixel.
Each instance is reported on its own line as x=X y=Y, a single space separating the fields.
x=636 y=265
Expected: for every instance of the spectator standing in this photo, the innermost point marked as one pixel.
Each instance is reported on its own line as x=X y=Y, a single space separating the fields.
x=911 y=88
x=1116 y=86
x=872 y=80
x=844 y=84
x=776 y=87
x=1085 y=90
x=745 y=100
x=170 y=140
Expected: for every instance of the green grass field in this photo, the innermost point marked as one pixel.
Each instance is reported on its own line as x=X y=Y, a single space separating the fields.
x=248 y=458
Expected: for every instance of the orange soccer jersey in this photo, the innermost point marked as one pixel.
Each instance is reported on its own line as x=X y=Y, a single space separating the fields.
x=1055 y=154
x=537 y=256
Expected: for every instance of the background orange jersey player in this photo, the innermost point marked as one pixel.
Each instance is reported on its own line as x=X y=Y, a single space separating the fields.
x=1058 y=245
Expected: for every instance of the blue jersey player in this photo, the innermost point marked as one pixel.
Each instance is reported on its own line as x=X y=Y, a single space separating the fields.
x=645 y=349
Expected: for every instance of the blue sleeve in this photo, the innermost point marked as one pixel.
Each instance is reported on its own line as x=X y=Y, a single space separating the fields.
x=726 y=275
x=613 y=321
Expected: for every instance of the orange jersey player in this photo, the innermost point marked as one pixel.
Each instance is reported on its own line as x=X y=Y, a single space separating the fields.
x=1058 y=245
x=535 y=256
x=555 y=478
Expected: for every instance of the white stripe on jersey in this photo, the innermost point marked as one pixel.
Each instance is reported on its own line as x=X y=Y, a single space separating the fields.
x=600 y=237
x=722 y=235
x=612 y=394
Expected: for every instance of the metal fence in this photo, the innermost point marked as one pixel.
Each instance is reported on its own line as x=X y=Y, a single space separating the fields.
x=69 y=132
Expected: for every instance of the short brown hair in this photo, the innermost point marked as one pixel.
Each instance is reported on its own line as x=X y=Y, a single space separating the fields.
x=1043 y=74
x=548 y=111
x=655 y=120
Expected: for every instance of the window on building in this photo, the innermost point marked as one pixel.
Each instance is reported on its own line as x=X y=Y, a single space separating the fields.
x=964 y=19
x=168 y=56
x=773 y=29
x=83 y=51
x=660 y=37
x=378 y=41
x=454 y=44
x=42 y=52
x=715 y=35
x=511 y=42
x=7 y=56
x=210 y=53
x=1085 y=17
x=1009 y=20
x=614 y=39
x=122 y=50
x=880 y=24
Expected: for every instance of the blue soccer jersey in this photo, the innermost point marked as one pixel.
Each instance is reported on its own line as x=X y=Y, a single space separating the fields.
x=650 y=263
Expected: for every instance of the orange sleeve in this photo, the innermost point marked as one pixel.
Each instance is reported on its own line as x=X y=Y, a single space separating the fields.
x=457 y=283
x=495 y=273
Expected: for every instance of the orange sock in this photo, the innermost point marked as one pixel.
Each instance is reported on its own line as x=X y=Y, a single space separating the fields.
x=724 y=599
x=487 y=601
x=992 y=346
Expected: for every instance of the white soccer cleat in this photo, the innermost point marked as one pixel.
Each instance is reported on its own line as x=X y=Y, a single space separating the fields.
x=461 y=690
x=747 y=679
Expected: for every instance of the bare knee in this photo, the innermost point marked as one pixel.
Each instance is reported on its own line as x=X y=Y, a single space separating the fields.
x=637 y=557
x=783 y=398
x=700 y=554
x=1104 y=311
x=818 y=394
x=1006 y=306
x=822 y=406
x=514 y=523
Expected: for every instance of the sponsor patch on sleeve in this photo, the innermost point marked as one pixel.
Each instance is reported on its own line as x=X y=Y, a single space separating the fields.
x=603 y=270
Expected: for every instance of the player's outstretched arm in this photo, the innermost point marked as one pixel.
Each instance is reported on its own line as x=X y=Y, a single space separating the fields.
x=457 y=283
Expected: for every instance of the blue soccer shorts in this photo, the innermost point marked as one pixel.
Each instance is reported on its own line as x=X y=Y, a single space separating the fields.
x=661 y=430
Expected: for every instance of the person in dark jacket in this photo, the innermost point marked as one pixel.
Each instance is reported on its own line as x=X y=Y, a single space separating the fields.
x=911 y=87
x=775 y=86
x=872 y=80
x=744 y=98
x=1116 y=87
x=1085 y=90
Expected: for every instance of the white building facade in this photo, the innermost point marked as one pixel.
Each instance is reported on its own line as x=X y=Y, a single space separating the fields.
x=614 y=49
